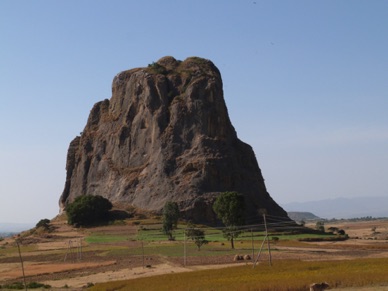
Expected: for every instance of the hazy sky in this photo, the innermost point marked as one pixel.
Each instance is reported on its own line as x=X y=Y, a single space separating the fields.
x=305 y=83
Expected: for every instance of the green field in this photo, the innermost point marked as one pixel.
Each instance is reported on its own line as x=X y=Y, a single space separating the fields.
x=106 y=238
x=150 y=241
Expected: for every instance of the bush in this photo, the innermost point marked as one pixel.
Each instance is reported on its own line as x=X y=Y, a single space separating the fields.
x=88 y=210
x=15 y=286
x=157 y=68
x=35 y=285
x=45 y=223
x=331 y=238
x=341 y=232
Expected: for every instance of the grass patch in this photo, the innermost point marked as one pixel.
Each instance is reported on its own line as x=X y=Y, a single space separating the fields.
x=20 y=286
x=176 y=249
x=283 y=275
x=12 y=250
x=106 y=238
x=153 y=233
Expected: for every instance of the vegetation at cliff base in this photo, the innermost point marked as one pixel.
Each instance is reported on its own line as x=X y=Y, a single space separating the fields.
x=170 y=218
x=229 y=207
x=88 y=210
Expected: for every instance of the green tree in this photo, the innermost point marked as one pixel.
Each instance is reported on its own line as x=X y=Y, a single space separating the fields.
x=229 y=207
x=170 y=218
x=197 y=235
x=320 y=226
x=88 y=210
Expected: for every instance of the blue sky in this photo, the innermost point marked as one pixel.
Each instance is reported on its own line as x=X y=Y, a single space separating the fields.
x=305 y=82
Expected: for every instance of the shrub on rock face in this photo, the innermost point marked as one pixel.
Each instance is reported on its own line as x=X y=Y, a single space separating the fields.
x=88 y=210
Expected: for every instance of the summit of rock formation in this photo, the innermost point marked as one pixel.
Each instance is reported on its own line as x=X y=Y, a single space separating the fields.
x=165 y=135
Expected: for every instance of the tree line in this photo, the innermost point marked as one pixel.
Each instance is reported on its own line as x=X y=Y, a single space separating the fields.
x=89 y=210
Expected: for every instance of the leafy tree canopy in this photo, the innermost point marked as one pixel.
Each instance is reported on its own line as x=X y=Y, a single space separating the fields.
x=88 y=210
x=197 y=235
x=170 y=218
x=229 y=207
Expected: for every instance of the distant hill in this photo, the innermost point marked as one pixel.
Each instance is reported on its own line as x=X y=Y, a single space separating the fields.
x=299 y=216
x=14 y=227
x=342 y=207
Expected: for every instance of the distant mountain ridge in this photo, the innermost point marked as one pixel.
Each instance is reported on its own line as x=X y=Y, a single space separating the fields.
x=299 y=216
x=342 y=207
x=9 y=227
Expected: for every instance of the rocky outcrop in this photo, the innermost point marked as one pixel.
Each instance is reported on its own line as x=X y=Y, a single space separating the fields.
x=165 y=135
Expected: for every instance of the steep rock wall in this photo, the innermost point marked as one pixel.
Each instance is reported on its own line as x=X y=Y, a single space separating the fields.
x=165 y=135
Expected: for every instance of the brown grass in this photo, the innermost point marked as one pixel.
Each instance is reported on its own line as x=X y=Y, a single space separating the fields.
x=283 y=275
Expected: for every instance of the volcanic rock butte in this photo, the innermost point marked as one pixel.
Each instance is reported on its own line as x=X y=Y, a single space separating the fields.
x=165 y=135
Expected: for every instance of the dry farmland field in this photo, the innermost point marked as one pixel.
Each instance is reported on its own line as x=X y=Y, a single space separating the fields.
x=135 y=255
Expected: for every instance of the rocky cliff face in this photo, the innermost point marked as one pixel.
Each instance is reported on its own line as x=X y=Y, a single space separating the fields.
x=165 y=135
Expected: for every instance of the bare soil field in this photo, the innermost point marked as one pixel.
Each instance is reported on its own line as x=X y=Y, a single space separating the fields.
x=56 y=258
